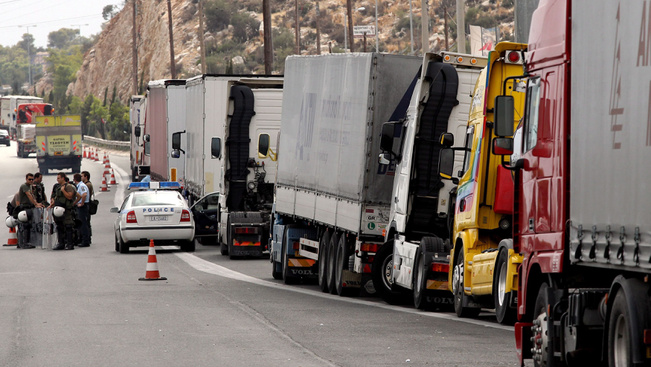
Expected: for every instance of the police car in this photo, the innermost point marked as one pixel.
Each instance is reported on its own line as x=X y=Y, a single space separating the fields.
x=155 y=212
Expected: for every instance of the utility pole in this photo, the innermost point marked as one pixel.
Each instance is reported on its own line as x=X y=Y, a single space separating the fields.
x=201 y=43
x=349 y=11
x=424 y=26
x=169 y=17
x=268 y=46
x=318 y=33
x=461 y=26
x=297 y=27
x=445 y=27
x=134 y=50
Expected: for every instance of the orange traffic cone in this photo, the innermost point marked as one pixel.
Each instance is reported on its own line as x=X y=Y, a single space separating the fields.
x=13 y=237
x=85 y=155
x=107 y=164
x=152 y=265
x=104 y=186
x=112 y=178
x=95 y=158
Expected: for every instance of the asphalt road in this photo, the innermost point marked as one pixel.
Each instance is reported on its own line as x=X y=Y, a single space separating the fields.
x=87 y=308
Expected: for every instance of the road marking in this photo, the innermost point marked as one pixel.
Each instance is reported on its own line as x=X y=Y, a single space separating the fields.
x=212 y=268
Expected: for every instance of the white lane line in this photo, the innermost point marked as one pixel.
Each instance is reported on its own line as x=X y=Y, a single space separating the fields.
x=212 y=268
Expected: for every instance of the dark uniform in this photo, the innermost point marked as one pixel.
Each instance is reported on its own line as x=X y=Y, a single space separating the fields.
x=24 y=228
x=65 y=223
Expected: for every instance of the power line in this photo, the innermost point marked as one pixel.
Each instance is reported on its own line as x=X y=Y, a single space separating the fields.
x=52 y=21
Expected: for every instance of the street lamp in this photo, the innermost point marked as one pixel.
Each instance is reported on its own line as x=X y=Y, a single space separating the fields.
x=29 y=52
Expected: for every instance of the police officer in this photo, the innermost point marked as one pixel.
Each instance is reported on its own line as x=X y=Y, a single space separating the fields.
x=27 y=203
x=38 y=190
x=65 y=196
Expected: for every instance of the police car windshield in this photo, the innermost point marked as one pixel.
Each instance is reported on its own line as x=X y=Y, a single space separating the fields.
x=156 y=198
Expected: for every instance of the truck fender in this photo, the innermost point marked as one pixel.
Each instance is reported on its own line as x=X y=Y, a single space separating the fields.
x=637 y=301
x=463 y=240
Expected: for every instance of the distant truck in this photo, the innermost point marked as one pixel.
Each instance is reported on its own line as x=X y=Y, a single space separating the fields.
x=581 y=158
x=165 y=115
x=139 y=147
x=332 y=196
x=231 y=135
x=8 y=111
x=58 y=139
x=26 y=114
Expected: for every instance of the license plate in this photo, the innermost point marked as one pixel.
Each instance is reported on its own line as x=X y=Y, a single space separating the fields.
x=58 y=153
x=158 y=218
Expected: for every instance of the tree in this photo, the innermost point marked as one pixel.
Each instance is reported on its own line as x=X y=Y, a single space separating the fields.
x=109 y=12
x=62 y=38
x=27 y=43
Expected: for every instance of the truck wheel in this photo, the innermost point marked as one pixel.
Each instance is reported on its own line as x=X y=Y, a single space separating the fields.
x=541 y=348
x=332 y=258
x=457 y=290
x=288 y=278
x=420 y=282
x=619 y=338
x=323 y=261
x=381 y=272
x=341 y=264
x=503 y=310
x=275 y=270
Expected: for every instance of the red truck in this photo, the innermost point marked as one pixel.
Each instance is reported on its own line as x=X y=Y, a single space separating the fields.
x=26 y=126
x=582 y=167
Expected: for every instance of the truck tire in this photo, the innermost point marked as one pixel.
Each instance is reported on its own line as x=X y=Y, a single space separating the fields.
x=619 y=337
x=330 y=273
x=381 y=274
x=629 y=318
x=341 y=264
x=543 y=351
x=458 y=290
x=323 y=260
x=503 y=311
x=275 y=272
x=288 y=278
x=420 y=282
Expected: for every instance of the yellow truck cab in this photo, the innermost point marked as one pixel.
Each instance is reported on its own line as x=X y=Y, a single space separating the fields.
x=483 y=268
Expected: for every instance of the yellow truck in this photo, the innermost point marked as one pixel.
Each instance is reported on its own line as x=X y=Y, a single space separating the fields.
x=58 y=143
x=483 y=265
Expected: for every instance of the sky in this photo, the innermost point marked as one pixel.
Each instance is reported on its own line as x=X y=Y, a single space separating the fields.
x=45 y=16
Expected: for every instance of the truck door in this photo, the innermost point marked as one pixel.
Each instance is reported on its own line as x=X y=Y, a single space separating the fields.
x=206 y=215
x=542 y=196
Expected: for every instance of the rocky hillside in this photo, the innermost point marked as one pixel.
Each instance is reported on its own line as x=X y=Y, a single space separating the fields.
x=236 y=45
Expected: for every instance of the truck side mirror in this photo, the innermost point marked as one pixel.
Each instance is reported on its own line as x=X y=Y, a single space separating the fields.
x=504 y=116
x=146 y=138
x=176 y=141
x=176 y=153
x=446 y=165
x=263 y=145
x=503 y=146
x=447 y=140
x=216 y=148
x=386 y=139
x=136 y=131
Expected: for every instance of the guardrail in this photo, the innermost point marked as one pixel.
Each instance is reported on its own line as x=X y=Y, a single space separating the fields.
x=109 y=144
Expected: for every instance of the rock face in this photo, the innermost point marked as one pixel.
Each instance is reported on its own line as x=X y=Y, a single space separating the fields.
x=109 y=62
